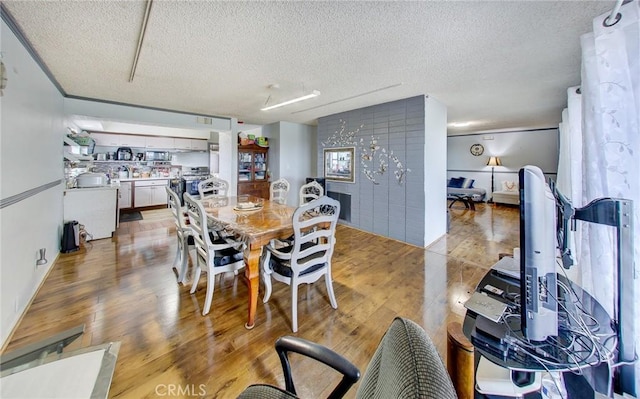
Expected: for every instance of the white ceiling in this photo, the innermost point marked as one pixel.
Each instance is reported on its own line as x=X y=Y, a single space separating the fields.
x=501 y=65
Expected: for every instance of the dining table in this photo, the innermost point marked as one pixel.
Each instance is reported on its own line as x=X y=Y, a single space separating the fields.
x=256 y=221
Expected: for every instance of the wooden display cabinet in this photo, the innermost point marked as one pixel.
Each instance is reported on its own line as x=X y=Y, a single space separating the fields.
x=252 y=171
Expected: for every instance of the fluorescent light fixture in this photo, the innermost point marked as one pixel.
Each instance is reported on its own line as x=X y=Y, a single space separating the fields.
x=460 y=124
x=314 y=93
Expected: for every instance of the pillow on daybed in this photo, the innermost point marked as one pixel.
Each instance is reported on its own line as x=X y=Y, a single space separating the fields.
x=510 y=186
x=456 y=182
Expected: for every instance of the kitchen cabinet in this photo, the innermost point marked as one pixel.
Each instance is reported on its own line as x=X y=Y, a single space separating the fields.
x=124 y=195
x=95 y=208
x=164 y=143
x=119 y=140
x=252 y=171
x=150 y=193
x=190 y=144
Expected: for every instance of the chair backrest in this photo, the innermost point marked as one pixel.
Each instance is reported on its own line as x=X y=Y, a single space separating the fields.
x=198 y=223
x=278 y=191
x=406 y=364
x=176 y=209
x=213 y=187
x=310 y=191
x=314 y=227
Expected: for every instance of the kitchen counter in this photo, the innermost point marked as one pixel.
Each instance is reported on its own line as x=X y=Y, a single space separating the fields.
x=147 y=178
x=112 y=186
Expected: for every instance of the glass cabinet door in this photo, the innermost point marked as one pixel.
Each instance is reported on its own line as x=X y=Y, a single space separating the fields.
x=260 y=166
x=245 y=163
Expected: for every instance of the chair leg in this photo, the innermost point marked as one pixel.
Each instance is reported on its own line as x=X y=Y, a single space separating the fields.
x=182 y=278
x=294 y=306
x=176 y=261
x=332 y=295
x=211 y=280
x=196 y=275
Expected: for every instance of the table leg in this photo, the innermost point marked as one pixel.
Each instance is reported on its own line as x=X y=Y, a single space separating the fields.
x=252 y=274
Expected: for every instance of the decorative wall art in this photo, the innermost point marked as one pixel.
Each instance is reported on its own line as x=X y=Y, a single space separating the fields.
x=374 y=159
x=338 y=164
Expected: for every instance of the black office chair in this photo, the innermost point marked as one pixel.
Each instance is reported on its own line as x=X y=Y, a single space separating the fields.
x=405 y=365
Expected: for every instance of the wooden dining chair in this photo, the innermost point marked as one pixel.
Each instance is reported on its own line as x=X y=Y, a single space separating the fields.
x=213 y=187
x=183 y=233
x=310 y=191
x=214 y=255
x=308 y=256
x=279 y=190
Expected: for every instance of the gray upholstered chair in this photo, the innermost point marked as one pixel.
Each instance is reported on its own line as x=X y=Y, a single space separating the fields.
x=405 y=365
x=214 y=255
x=183 y=232
x=278 y=191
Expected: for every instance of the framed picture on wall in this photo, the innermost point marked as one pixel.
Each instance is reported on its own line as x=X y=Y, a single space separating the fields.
x=338 y=164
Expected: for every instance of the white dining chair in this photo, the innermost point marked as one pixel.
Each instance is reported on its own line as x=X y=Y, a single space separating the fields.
x=279 y=190
x=183 y=233
x=308 y=256
x=310 y=191
x=213 y=187
x=214 y=255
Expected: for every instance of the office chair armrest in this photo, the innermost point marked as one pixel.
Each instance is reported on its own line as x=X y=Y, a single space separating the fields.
x=350 y=373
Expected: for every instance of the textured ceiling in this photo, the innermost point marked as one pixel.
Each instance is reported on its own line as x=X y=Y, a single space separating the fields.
x=498 y=64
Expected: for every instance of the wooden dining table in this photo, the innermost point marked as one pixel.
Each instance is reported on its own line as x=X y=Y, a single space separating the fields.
x=256 y=227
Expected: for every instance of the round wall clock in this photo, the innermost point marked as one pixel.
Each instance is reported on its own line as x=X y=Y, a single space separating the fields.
x=477 y=149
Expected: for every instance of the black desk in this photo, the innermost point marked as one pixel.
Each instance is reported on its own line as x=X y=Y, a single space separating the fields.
x=518 y=358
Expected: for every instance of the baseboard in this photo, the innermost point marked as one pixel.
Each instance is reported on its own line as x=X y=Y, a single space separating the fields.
x=24 y=311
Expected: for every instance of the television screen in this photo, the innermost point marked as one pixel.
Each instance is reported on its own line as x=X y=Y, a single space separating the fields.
x=538 y=287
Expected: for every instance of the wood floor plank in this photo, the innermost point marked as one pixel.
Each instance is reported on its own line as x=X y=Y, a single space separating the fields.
x=124 y=289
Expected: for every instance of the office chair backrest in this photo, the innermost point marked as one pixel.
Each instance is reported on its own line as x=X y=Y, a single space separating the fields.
x=406 y=365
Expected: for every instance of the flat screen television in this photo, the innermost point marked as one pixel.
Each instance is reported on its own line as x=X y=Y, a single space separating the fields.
x=538 y=285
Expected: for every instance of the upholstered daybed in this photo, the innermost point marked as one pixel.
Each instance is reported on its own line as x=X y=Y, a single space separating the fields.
x=460 y=186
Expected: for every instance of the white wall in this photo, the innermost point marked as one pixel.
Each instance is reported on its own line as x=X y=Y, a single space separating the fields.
x=515 y=149
x=32 y=115
x=435 y=162
x=292 y=154
x=124 y=113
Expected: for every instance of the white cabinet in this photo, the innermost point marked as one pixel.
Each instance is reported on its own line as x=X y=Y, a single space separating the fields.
x=127 y=140
x=106 y=139
x=124 y=195
x=165 y=143
x=191 y=144
x=95 y=208
x=150 y=193
x=199 y=145
x=119 y=140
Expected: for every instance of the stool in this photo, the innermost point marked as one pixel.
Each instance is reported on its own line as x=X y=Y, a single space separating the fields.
x=460 y=360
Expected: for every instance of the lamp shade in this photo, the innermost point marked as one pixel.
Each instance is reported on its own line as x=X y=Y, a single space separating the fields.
x=494 y=161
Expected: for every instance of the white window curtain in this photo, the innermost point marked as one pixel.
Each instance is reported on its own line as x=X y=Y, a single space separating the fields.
x=600 y=149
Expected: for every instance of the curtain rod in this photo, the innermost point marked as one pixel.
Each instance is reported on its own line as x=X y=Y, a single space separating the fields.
x=615 y=16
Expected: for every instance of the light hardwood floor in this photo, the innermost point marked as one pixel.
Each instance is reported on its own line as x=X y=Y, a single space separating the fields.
x=123 y=289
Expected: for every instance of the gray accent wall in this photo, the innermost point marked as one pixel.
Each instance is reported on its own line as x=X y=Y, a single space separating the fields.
x=406 y=211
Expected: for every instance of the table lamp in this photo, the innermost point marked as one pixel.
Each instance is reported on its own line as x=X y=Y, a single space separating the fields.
x=493 y=162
